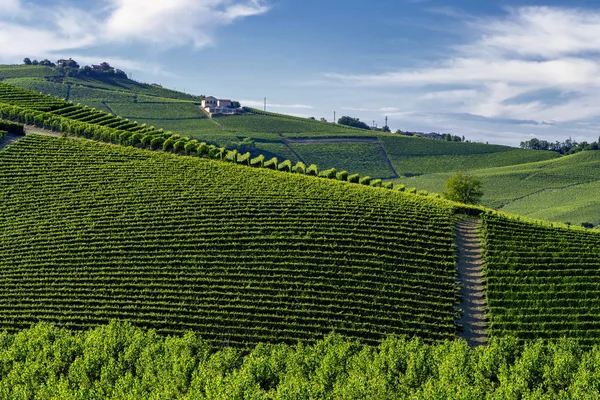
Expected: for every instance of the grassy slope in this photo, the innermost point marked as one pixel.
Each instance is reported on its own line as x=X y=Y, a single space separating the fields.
x=562 y=189
x=412 y=156
x=361 y=158
x=151 y=107
x=237 y=254
x=415 y=159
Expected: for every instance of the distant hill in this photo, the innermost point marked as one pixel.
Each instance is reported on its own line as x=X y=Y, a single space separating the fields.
x=412 y=161
x=562 y=189
x=380 y=155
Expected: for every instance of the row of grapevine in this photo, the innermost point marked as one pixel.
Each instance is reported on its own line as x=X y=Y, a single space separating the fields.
x=57 y=115
x=239 y=255
x=118 y=361
x=542 y=281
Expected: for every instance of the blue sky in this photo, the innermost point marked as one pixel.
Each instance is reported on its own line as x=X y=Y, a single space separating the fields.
x=493 y=71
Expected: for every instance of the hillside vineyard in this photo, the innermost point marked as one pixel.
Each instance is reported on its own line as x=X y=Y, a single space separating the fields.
x=542 y=281
x=91 y=232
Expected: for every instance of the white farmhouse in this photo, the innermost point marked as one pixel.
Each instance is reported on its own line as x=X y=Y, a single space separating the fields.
x=218 y=106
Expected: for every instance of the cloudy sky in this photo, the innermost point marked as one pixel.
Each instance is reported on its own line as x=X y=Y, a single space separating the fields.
x=495 y=71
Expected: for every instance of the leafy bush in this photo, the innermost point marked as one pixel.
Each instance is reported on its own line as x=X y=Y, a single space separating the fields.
x=342 y=176
x=285 y=166
x=354 y=178
x=328 y=173
x=312 y=170
x=365 y=180
x=12 y=127
x=244 y=159
x=191 y=147
x=231 y=156
x=258 y=162
x=464 y=189
x=299 y=168
x=156 y=143
x=273 y=163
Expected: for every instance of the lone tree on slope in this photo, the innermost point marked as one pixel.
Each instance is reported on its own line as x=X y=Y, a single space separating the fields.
x=464 y=189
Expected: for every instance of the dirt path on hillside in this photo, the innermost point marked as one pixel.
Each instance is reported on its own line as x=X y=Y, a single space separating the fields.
x=11 y=138
x=347 y=140
x=41 y=131
x=470 y=276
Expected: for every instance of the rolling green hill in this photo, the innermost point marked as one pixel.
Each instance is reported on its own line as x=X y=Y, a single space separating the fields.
x=270 y=262
x=237 y=254
x=272 y=134
x=242 y=255
x=564 y=189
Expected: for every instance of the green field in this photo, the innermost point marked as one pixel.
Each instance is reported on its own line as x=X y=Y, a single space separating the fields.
x=251 y=269
x=283 y=125
x=151 y=105
x=412 y=156
x=236 y=254
x=562 y=189
x=511 y=178
x=26 y=71
x=541 y=281
x=361 y=158
x=182 y=110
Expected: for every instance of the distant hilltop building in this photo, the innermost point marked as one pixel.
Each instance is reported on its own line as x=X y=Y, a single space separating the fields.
x=212 y=105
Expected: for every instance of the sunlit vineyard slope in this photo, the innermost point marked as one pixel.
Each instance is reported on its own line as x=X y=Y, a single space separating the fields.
x=91 y=232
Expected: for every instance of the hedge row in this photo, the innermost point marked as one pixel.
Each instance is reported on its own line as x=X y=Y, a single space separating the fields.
x=11 y=127
x=168 y=142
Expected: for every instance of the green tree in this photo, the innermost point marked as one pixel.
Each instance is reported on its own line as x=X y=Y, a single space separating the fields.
x=464 y=189
x=27 y=61
x=354 y=122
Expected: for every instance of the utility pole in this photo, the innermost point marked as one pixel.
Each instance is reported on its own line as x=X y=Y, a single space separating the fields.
x=386 y=122
x=373 y=123
x=334 y=120
x=265 y=104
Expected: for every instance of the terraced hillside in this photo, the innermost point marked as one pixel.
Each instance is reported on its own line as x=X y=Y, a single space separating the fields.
x=538 y=184
x=542 y=281
x=383 y=155
x=91 y=232
x=562 y=190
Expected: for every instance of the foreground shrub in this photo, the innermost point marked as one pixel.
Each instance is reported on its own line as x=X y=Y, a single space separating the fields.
x=119 y=360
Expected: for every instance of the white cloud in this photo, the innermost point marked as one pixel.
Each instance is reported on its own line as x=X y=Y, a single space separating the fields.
x=260 y=104
x=175 y=22
x=378 y=110
x=543 y=32
x=505 y=69
x=162 y=24
x=9 y=6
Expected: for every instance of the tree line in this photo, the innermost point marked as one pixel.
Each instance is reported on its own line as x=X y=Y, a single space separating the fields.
x=568 y=146
x=72 y=68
